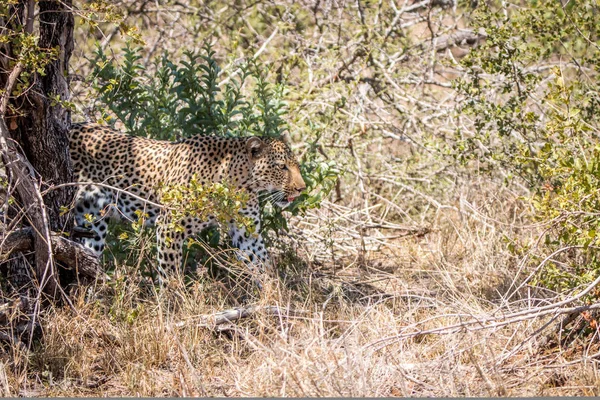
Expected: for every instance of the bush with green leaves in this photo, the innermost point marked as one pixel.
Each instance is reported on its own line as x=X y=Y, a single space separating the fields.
x=216 y=199
x=171 y=100
x=531 y=91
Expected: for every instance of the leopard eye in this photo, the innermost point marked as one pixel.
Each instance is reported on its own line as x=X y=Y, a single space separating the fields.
x=283 y=167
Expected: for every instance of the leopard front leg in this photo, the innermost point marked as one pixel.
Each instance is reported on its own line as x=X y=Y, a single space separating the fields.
x=170 y=246
x=171 y=238
x=251 y=245
x=92 y=206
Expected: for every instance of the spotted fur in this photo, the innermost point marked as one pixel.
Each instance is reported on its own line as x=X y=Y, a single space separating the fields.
x=135 y=167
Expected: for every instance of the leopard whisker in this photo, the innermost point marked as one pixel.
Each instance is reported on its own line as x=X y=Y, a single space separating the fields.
x=275 y=196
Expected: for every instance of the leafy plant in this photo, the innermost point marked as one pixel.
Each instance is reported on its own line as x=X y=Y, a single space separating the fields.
x=531 y=91
x=195 y=97
x=215 y=199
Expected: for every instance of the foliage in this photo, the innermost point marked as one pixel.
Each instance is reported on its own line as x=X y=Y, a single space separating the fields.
x=25 y=51
x=506 y=74
x=569 y=197
x=186 y=99
x=193 y=97
x=532 y=91
x=95 y=12
x=215 y=199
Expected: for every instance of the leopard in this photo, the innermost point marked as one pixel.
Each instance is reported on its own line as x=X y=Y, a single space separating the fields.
x=119 y=177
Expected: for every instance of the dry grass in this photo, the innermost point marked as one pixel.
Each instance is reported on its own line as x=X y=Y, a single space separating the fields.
x=410 y=242
x=123 y=338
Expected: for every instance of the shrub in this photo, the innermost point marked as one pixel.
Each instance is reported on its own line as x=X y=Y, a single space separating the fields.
x=532 y=93
x=174 y=100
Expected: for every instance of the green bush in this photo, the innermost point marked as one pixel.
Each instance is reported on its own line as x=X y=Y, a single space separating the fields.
x=171 y=100
x=531 y=91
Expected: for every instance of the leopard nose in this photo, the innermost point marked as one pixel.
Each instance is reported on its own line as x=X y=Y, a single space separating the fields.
x=301 y=188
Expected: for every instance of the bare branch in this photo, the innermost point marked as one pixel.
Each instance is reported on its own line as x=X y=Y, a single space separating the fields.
x=235 y=314
x=493 y=322
x=73 y=255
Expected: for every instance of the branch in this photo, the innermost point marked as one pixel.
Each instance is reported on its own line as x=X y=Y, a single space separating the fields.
x=460 y=38
x=427 y=4
x=254 y=57
x=20 y=171
x=73 y=255
x=10 y=84
x=487 y=322
x=235 y=314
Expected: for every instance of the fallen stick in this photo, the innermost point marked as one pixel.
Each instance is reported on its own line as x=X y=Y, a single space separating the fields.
x=73 y=255
x=235 y=314
x=477 y=323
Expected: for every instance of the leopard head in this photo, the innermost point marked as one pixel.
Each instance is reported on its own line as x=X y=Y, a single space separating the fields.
x=275 y=169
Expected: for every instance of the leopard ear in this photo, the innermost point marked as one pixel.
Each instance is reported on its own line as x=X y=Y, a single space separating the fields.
x=285 y=137
x=254 y=146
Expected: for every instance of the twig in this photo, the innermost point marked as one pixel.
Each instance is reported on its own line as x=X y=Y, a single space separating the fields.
x=254 y=57
x=113 y=188
x=74 y=255
x=235 y=314
x=487 y=322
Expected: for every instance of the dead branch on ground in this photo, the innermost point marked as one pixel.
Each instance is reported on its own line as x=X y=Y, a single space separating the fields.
x=477 y=323
x=211 y=321
x=74 y=256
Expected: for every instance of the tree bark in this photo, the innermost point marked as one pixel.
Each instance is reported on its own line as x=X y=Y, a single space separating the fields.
x=43 y=127
x=39 y=125
x=74 y=256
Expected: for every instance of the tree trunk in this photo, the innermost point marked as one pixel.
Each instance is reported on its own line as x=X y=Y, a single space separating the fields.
x=42 y=130
x=40 y=124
